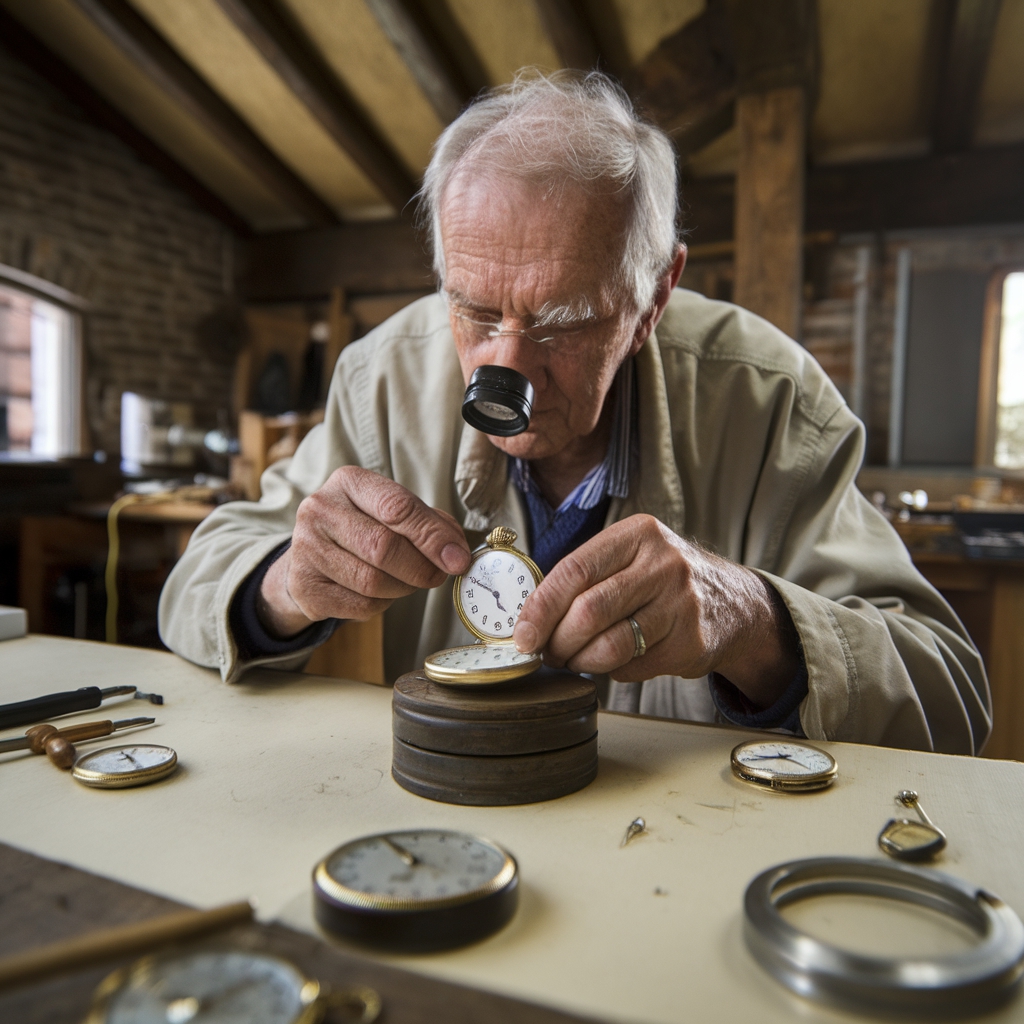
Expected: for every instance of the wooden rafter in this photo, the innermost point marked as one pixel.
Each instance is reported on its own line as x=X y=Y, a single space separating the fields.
x=48 y=65
x=687 y=85
x=961 y=34
x=286 y=49
x=150 y=52
x=568 y=27
x=420 y=46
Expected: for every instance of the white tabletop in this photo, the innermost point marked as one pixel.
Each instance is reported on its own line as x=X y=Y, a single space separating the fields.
x=278 y=770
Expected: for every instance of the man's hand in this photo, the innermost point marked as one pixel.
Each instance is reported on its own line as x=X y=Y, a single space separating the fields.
x=360 y=542
x=698 y=612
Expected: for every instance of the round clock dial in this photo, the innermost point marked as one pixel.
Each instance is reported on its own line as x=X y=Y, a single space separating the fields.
x=480 y=663
x=779 y=764
x=223 y=987
x=421 y=889
x=120 y=767
x=491 y=593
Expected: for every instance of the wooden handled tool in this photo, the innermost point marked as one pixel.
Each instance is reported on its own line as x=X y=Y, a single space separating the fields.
x=111 y=943
x=57 y=743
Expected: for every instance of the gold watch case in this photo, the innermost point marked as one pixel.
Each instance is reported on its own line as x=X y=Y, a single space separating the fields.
x=466 y=665
x=768 y=763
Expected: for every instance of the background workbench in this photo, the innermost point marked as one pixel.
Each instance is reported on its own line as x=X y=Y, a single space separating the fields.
x=280 y=769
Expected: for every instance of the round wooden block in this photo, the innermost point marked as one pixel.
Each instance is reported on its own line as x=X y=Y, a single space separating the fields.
x=494 y=781
x=544 y=711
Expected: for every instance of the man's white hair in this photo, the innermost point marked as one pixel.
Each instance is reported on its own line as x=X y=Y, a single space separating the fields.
x=575 y=128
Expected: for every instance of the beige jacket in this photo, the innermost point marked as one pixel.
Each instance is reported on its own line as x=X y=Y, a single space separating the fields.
x=745 y=445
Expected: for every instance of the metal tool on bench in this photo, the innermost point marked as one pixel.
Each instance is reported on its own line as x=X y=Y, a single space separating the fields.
x=57 y=743
x=51 y=705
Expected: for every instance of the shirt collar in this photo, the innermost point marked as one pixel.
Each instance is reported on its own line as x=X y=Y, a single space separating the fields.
x=611 y=476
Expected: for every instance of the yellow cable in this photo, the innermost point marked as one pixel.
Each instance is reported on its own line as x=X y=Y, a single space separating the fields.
x=113 y=550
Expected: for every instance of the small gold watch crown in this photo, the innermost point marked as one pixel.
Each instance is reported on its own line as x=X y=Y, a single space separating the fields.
x=501 y=537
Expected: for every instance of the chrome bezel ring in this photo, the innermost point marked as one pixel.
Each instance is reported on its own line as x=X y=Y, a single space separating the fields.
x=983 y=976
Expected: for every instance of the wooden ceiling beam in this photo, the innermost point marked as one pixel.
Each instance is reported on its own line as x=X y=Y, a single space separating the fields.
x=155 y=57
x=285 y=47
x=387 y=256
x=27 y=48
x=961 y=34
x=409 y=27
x=687 y=85
x=979 y=186
x=568 y=27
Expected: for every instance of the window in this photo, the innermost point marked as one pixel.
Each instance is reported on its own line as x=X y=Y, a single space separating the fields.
x=1009 y=426
x=40 y=375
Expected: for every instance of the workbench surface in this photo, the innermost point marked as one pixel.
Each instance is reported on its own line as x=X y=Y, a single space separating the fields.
x=280 y=769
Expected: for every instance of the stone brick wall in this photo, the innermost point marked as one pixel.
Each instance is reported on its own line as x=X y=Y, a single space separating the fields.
x=78 y=208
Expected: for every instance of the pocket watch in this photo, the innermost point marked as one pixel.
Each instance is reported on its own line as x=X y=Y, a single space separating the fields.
x=124 y=766
x=417 y=890
x=784 y=765
x=208 y=985
x=488 y=597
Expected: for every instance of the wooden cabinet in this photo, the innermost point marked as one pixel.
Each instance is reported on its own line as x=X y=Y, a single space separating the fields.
x=989 y=598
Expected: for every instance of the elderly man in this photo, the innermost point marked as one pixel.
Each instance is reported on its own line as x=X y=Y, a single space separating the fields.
x=687 y=465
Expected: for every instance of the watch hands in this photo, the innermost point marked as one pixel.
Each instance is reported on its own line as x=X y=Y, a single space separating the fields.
x=495 y=593
x=779 y=757
x=406 y=857
x=184 y=1008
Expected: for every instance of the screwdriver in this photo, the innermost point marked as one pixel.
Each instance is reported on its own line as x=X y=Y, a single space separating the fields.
x=50 y=705
x=57 y=743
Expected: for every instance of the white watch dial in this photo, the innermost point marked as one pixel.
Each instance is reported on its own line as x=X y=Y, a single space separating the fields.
x=220 y=987
x=119 y=760
x=493 y=590
x=421 y=865
x=789 y=759
x=481 y=656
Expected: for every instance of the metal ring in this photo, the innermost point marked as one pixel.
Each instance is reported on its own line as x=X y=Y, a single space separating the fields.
x=639 y=643
x=967 y=982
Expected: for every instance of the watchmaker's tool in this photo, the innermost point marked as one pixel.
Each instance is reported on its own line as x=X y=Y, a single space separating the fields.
x=784 y=765
x=51 y=705
x=113 y=943
x=153 y=698
x=417 y=890
x=56 y=743
x=906 y=839
x=498 y=401
x=488 y=597
x=921 y=987
x=121 y=767
x=512 y=744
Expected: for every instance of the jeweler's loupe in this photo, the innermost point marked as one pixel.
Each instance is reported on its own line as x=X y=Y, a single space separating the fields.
x=498 y=401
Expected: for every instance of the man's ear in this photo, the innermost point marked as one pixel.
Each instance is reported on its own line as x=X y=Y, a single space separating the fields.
x=662 y=294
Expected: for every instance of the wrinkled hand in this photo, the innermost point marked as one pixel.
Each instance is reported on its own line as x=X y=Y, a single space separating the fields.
x=360 y=542
x=698 y=612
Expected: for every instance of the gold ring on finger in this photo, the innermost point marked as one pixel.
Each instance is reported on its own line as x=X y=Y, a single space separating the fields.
x=639 y=643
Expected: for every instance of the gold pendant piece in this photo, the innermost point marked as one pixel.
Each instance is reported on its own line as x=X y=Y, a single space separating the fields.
x=907 y=839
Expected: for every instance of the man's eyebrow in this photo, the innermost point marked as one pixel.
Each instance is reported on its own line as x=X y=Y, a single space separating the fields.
x=551 y=314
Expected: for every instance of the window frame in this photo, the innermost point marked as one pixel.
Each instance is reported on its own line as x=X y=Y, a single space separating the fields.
x=77 y=308
x=988 y=376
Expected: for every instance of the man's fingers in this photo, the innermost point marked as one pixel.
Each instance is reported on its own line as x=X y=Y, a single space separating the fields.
x=615 y=646
x=351 y=571
x=601 y=557
x=433 y=533
x=599 y=609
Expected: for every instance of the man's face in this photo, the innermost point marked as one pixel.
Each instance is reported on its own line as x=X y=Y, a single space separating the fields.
x=512 y=254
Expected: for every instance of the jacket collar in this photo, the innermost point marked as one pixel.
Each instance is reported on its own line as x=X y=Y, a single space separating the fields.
x=481 y=470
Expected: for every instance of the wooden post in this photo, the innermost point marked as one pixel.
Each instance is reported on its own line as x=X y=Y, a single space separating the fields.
x=776 y=50
x=770 y=205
